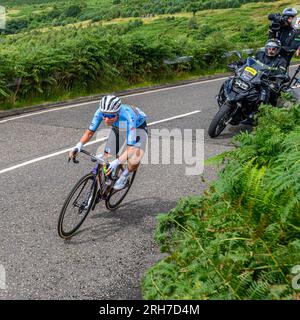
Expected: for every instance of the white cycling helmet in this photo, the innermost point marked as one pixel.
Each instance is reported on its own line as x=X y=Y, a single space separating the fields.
x=110 y=104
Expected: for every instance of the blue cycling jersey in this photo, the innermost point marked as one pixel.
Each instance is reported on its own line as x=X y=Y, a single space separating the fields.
x=128 y=120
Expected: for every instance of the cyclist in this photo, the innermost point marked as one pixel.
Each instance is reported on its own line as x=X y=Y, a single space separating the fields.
x=128 y=124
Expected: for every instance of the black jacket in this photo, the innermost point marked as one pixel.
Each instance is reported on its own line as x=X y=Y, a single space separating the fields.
x=277 y=63
x=290 y=41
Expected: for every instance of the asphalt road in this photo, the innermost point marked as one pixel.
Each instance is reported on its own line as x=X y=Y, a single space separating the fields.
x=108 y=258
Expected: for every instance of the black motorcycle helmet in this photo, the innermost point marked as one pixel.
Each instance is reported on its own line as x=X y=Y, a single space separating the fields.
x=272 y=47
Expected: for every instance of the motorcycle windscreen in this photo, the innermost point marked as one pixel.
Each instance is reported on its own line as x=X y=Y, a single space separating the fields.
x=248 y=73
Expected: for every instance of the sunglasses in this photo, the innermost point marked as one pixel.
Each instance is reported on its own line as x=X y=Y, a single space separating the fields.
x=110 y=116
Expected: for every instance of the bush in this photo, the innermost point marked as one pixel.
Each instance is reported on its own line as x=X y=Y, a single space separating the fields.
x=171 y=37
x=53 y=14
x=193 y=24
x=240 y=240
x=135 y=23
x=72 y=11
x=96 y=19
x=15 y=26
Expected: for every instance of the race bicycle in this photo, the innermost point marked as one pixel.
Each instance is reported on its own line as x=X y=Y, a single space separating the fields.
x=92 y=188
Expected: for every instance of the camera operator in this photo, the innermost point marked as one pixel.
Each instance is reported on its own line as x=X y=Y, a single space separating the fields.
x=282 y=29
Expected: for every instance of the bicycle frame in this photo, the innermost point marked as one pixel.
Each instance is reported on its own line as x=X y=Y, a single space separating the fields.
x=97 y=171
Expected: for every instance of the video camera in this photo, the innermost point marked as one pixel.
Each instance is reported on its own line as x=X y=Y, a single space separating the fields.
x=278 y=21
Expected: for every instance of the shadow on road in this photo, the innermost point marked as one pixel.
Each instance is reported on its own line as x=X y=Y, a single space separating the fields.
x=230 y=132
x=129 y=214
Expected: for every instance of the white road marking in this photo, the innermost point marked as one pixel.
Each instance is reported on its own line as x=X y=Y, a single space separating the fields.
x=95 y=101
x=124 y=96
x=29 y=114
x=51 y=155
x=175 y=117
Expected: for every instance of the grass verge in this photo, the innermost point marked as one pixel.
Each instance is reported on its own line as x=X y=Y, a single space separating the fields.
x=241 y=238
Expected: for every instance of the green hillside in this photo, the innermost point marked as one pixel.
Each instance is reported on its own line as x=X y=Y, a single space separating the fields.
x=240 y=239
x=32 y=14
x=49 y=63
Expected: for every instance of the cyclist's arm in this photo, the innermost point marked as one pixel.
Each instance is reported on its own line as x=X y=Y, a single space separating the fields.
x=88 y=134
x=97 y=119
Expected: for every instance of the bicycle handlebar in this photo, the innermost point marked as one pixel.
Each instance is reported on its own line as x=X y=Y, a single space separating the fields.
x=74 y=160
x=94 y=158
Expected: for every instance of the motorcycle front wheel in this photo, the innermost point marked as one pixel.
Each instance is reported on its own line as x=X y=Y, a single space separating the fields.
x=219 y=122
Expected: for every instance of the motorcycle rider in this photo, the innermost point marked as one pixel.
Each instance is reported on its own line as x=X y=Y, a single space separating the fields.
x=278 y=65
x=271 y=57
x=282 y=29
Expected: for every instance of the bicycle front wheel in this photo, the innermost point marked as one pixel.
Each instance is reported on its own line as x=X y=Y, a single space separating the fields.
x=77 y=206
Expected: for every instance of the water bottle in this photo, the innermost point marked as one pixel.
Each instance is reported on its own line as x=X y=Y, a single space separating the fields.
x=106 y=178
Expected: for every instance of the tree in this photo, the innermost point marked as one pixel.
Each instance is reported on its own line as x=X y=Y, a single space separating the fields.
x=193 y=7
x=72 y=11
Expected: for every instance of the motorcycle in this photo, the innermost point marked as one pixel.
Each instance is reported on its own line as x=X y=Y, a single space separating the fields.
x=241 y=95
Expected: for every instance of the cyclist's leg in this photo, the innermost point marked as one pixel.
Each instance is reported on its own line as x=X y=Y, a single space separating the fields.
x=134 y=153
x=138 y=150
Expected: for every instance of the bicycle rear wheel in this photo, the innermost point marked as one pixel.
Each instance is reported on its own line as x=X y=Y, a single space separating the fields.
x=77 y=206
x=115 y=197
